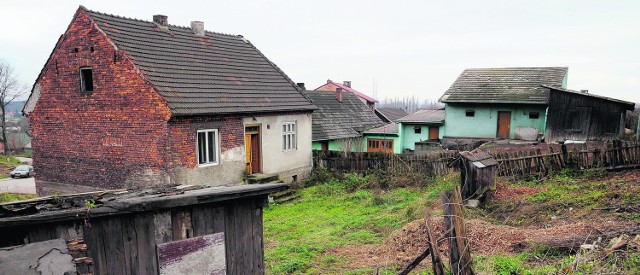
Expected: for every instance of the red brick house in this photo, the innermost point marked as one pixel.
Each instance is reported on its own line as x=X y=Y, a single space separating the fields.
x=124 y=103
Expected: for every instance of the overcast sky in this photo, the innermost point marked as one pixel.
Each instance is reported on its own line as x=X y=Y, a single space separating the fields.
x=405 y=47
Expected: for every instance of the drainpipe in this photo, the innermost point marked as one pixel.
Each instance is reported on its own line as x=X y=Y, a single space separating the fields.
x=544 y=127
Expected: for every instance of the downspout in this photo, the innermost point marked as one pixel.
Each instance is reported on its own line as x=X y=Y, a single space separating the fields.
x=544 y=126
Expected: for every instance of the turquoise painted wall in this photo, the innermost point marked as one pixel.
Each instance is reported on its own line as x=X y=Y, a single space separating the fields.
x=338 y=145
x=409 y=137
x=484 y=124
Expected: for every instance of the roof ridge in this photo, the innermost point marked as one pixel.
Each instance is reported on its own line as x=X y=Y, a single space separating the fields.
x=147 y=21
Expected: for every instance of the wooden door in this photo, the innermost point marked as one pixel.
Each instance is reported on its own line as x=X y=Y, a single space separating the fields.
x=255 y=154
x=434 y=133
x=504 y=124
x=247 y=149
x=252 y=149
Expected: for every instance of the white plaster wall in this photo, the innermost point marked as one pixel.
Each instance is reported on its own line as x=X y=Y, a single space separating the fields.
x=274 y=159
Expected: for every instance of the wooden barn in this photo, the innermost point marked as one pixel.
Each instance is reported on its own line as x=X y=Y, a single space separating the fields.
x=174 y=230
x=574 y=115
x=477 y=173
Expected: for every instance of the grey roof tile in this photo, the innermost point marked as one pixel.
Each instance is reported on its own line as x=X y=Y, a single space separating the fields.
x=340 y=119
x=215 y=74
x=424 y=116
x=392 y=113
x=505 y=85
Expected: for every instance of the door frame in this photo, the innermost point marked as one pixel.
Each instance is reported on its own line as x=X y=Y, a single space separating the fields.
x=248 y=148
x=508 y=125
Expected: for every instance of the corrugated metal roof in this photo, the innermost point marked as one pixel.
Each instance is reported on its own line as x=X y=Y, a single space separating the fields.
x=505 y=85
x=214 y=74
x=340 y=119
x=424 y=116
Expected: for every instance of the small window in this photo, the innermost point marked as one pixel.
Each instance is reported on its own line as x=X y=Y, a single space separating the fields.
x=470 y=113
x=86 y=80
x=417 y=130
x=534 y=115
x=289 y=136
x=207 y=147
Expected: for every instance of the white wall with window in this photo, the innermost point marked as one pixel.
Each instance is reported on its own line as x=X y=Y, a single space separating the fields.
x=289 y=136
x=208 y=147
x=286 y=142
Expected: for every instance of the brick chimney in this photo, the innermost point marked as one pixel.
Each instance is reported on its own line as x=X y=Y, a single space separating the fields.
x=197 y=27
x=161 y=20
x=339 y=94
x=347 y=83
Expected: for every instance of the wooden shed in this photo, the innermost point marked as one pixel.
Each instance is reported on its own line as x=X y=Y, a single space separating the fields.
x=173 y=230
x=477 y=173
x=574 y=115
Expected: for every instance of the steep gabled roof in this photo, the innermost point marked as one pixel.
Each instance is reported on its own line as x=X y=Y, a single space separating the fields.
x=505 y=85
x=214 y=74
x=340 y=119
x=424 y=116
x=392 y=114
x=348 y=89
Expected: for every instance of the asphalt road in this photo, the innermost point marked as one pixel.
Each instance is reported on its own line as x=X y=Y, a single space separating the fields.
x=24 y=185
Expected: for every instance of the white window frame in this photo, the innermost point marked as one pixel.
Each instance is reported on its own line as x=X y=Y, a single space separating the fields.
x=289 y=136
x=207 y=143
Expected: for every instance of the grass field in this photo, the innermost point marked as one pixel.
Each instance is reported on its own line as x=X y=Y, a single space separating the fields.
x=301 y=237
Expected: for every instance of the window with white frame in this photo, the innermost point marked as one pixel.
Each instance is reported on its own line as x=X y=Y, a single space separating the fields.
x=207 y=147
x=289 y=136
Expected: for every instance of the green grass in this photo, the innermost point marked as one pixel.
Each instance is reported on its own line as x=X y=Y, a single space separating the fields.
x=329 y=215
x=9 y=197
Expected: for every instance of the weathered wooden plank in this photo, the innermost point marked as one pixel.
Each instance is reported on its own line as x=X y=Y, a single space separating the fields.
x=199 y=220
x=230 y=239
x=114 y=246
x=130 y=244
x=94 y=238
x=145 y=232
x=163 y=230
x=258 y=240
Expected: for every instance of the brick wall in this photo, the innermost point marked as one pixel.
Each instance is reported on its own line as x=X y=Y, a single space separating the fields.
x=114 y=137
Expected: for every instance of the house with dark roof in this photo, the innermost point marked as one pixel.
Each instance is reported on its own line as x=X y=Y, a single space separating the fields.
x=516 y=103
x=124 y=103
x=340 y=121
x=331 y=86
x=390 y=114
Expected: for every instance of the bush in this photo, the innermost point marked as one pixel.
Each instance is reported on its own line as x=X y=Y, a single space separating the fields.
x=507 y=265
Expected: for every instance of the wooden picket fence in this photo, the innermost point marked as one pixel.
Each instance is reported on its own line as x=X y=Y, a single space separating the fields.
x=609 y=156
x=436 y=164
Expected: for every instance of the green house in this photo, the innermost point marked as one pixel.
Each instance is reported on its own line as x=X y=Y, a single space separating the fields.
x=402 y=134
x=491 y=103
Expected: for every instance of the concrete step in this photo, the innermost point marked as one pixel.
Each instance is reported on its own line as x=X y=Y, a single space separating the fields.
x=262 y=178
x=283 y=196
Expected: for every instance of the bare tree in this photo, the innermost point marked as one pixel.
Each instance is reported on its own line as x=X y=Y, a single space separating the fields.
x=10 y=89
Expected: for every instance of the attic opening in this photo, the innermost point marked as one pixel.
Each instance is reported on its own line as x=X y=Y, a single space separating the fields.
x=417 y=130
x=86 y=79
x=534 y=115
x=470 y=113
